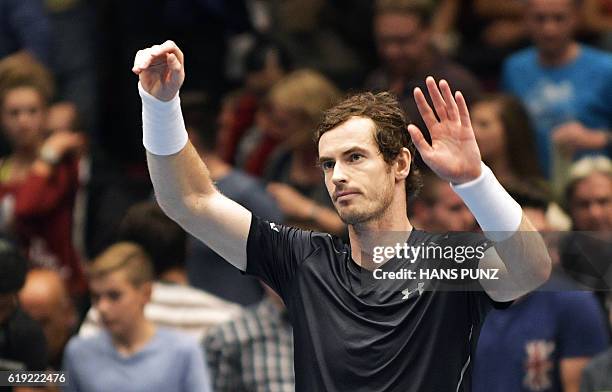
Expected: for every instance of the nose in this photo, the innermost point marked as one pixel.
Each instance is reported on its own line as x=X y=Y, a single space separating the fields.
x=24 y=119
x=103 y=306
x=338 y=175
x=550 y=27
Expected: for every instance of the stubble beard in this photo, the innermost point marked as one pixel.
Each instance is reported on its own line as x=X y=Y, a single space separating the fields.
x=364 y=215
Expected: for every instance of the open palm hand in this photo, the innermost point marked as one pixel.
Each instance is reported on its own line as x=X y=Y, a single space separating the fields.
x=453 y=154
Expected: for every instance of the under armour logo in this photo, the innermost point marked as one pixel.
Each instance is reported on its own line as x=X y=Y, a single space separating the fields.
x=274 y=227
x=420 y=288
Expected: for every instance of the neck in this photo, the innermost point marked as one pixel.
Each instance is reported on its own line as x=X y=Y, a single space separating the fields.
x=134 y=339
x=388 y=230
x=565 y=56
x=216 y=166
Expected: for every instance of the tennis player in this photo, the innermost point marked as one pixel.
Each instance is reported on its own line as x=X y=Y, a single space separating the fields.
x=351 y=333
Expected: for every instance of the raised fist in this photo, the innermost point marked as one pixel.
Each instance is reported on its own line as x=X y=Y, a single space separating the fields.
x=161 y=70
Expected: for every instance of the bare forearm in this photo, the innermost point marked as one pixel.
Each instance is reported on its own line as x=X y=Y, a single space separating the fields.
x=179 y=179
x=525 y=256
x=182 y=183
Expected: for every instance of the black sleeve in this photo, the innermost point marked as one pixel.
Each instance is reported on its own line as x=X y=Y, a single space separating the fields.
x=274 y=253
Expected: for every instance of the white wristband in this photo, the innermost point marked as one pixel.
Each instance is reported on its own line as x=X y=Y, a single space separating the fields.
x=498 y=214
x=163 y=128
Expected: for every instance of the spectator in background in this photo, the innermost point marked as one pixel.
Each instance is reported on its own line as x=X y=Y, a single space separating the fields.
x=205 y=268
x=505 y=138
x=507 y=144
x=544 y=340
x=294 y=180
x=104 y=193
x=402 y=30
x=265 y=64
x=22 y=342
x=45 y=298
x=587 y=251
x=173 y=303
x=39 y=179
x=597 y=18
x=131 y=350
x=254 y=351
x=64 y=116
x=24 y=28
x=555 y=81
x=300 y=27
x=489 y=31
x=588 y=194
x=438 y=208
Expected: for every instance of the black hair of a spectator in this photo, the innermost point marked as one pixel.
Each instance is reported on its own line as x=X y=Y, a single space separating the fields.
x=13 y=268
x=255 y=58
x=530 y=194
x=161 y=238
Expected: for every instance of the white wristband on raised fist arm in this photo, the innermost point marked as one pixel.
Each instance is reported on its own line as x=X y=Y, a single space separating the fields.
x=498 y=214
x=163 y=128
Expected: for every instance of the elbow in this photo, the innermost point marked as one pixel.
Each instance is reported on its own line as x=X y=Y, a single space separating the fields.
x=182 y=208
x=175 y=208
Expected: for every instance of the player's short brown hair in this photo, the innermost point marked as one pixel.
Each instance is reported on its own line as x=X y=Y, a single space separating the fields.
x=123 y=256
x=390 y=133
x=22 y=70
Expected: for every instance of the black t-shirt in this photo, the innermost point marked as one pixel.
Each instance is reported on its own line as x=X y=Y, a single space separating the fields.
x=351 y=336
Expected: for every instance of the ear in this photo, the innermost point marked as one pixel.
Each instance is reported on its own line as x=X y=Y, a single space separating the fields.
x=146 y=289
x=402 y=164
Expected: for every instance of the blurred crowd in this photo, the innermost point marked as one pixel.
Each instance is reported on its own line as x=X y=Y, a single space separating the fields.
x=97 y=281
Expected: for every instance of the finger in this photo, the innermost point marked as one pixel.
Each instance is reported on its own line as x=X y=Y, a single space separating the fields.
x=140 y=60
x=173 y=62
x=419 y=141
x=135 y=67
x=436 y=98
x=171 y=47
x=451 y=105
x=464 y=113
x=427 y=114
x=143 y=60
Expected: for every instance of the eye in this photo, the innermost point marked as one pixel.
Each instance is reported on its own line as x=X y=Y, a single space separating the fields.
x=114 y=295
x=327 y=165
x=355 y=157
